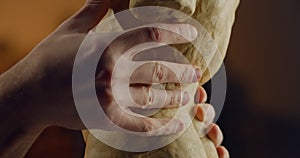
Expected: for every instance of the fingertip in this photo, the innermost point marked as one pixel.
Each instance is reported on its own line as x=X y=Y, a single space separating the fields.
x=216 y=135
x=204 y=95
x=205 y=113
x=86 y=18
x=185 y=98
x=184 y=32
x=222 y=152
x=198 y=73
x=200 y=112
x=193 y=32
x=201 y=95
x=180 y=126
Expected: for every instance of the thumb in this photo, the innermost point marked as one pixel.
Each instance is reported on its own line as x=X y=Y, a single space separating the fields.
x=86 y=18
x=119 y=5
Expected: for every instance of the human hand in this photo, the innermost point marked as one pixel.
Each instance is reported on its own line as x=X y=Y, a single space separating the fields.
x=205 y=114
x=151 y=73
x=38 y=89
x=49 y=72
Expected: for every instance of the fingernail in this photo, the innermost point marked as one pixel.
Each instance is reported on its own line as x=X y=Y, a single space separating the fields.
x=179 y=127
x=188 y=31
x=208 y=113
x=198 y=73
x=185 y=98
x=200 y=113
x=197 y=96
x=203 y=112
x=193 y=33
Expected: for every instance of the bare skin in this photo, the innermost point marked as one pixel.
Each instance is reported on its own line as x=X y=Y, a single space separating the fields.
x=37 y=92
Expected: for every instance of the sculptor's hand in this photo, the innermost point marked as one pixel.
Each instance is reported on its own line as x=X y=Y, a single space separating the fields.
x=46 y=82
x=37 y=92
x=54 y=99
x=205 y=114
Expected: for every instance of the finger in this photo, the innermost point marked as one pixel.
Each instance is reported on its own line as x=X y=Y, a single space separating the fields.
x=157 y=127
x=205 y=113
x=216 y=135
x=86 y=18
x=163 y=72
x=149 y=98
x=222 y=152
x=148 y=126
x=126 y=20
x=119 y=5
x=200 y=96
x=180 y=33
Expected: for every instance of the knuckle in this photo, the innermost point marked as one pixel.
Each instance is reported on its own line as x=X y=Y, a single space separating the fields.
x=187 y=74
x=182 y=75
x=158 y=73
x=182 y=72
x=154 y=34
x=105 y=94
x=172 y=101
x=147 y=125
x=148 y=96
x=178 y=97
x=174 y=98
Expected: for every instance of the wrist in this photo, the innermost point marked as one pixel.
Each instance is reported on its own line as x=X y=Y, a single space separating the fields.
x=18 y=87
x=19 y=129
x=17 y=135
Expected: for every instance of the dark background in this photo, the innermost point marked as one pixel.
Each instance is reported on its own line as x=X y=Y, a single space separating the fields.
x=261 y=116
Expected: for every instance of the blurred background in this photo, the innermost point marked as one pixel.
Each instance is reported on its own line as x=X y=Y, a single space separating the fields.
x=261 y=116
